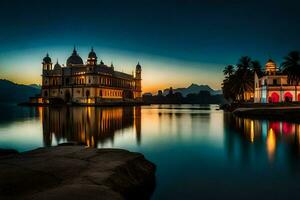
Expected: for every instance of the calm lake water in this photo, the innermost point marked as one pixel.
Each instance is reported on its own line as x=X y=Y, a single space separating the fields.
x=200 y=151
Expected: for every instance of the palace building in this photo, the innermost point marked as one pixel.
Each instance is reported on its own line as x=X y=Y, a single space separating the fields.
x=89 y=82
x=273 y=86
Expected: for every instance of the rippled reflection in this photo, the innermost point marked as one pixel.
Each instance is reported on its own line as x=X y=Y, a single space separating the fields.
x=88 y=125
x=265 y=135
x=195 y=147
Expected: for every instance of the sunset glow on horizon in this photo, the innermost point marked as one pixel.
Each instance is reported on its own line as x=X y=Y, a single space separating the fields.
x=158 y=73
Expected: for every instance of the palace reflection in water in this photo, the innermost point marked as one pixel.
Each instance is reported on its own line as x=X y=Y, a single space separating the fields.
x=88 y=125
x=195 y=146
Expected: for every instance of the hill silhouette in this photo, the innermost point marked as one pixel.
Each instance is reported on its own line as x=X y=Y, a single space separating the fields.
x=193 y=89
x=194 y=94
x=11 y=92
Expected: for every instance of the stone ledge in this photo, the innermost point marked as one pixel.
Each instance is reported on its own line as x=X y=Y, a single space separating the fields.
x=76 y=172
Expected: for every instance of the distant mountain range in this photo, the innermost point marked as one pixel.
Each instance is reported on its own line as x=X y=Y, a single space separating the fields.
x=194 y=89
x=11 y=92
x=15 y=93
x=35 y=86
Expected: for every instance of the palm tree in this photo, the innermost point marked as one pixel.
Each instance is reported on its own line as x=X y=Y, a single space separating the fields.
x=291 y=67
x=228 y=93
x=244 y=63
x=228 y=71
x=241 y=80
x=245 y=77
x=256 y=67
x=227 y=83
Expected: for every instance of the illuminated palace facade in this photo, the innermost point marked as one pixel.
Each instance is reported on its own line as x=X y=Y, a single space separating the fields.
x=273 y=86
x=91 y=82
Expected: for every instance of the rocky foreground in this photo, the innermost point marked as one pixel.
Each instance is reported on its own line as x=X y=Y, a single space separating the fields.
x=75 y=172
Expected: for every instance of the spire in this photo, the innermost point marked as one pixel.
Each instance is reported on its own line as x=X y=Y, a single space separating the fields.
x=111 y=65
x=101 y=62
x=74 y=50
x=47 y=55
x=56 y=60
x=138 y=67
x=92 y=49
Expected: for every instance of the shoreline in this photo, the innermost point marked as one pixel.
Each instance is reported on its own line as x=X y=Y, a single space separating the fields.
x=104 y=104
x=280 y=111
x=67 y=171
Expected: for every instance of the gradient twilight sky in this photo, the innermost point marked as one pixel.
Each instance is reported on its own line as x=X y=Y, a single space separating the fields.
x=177 y=42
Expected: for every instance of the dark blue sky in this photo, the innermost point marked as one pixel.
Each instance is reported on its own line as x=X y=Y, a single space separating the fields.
x=201 y=36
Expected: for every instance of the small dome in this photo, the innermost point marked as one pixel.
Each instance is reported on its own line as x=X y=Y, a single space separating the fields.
x=57 y=66
x=270 y=64
x=270 y=61
x=92 y=54
x=101 y=62
x=138 y=67
x=47 y=59
x=74 y=59
x=271 y=67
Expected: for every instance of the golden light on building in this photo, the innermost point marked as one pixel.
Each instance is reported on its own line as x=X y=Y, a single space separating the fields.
x=271 y=67
x=77 y=80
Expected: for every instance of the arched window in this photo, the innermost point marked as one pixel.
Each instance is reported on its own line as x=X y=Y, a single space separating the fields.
x=288 y=97
x=274 y=98
x=87 y=93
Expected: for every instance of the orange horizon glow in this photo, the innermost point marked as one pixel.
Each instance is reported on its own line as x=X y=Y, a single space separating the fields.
x=146 y=88
x=158 y=73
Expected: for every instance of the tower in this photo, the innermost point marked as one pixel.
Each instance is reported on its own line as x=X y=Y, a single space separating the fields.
x=92 y=58
x=47 y=66
x=138 y=82
x=47 y=63
x=112 y=66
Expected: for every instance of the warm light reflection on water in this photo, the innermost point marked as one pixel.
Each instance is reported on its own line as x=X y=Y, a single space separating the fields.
x=271 y=144
x=197 y=149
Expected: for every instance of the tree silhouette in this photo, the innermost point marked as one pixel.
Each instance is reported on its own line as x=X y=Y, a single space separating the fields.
x=229 y=70
x=256 y=67
x=235 y=85
x=291 y=67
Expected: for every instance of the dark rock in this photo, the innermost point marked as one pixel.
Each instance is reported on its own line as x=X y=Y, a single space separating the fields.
x=76 y=172
x=6 y=152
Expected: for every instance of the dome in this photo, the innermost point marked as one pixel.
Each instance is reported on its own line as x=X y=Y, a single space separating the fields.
x=57 y=66
x=92 y=54
x=138 y=67
x=270 y=61
x=47 y=59
x=270 y=64
x=74 y=59
x=271 y=67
